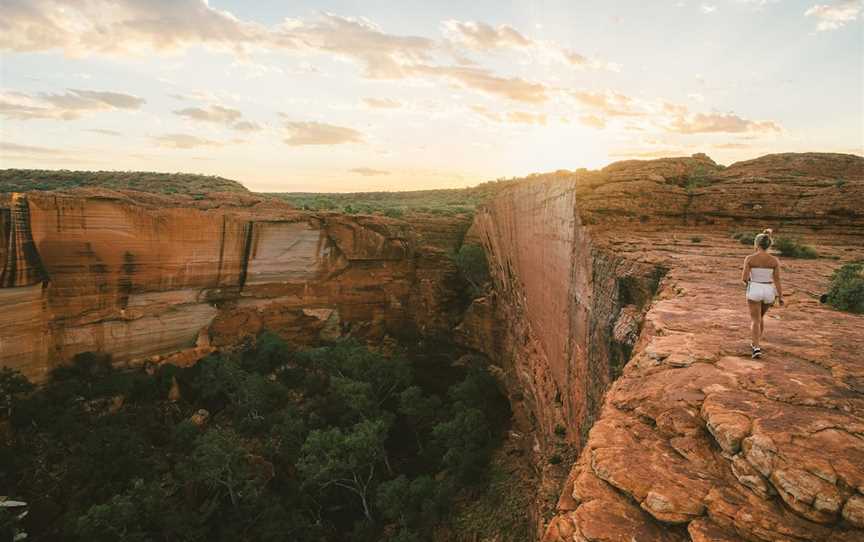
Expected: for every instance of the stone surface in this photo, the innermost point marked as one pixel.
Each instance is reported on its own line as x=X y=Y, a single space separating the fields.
x=695 y=440
x=142 y=276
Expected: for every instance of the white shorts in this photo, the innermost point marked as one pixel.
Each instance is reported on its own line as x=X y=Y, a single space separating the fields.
x=758 y=291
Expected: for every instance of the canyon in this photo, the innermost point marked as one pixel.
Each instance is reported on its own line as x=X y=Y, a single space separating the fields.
x=614 y=321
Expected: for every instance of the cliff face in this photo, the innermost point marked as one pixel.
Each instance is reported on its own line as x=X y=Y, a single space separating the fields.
x=139 y=277
x=695 y=440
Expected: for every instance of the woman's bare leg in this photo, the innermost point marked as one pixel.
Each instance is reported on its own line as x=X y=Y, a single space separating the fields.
x=765 y=308
x=755 y=321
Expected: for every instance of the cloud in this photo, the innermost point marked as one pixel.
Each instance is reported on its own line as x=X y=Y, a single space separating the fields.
x=368 y=172
x=523 y=117
x=481 y=36
x=215 y=113
x=835 y=15
x=220 y=115
x=319 y=133
x=14 y=148
x=116 y=26
x=485 y=81
x=593 y=121
x=246 y=126
x=382 y=103
x=104 y=132
x=707 y=10
x=184 y=141
x=382 y=55
x=69 y=105
x=608 y=103
x=720 y=122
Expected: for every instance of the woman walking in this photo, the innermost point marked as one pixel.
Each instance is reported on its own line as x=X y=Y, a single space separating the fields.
x=762 y=275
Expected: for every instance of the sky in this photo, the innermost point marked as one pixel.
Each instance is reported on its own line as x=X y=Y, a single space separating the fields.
x=343 y=96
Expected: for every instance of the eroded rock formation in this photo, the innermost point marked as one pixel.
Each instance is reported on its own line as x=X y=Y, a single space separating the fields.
x=142 y=276
x=695 y=440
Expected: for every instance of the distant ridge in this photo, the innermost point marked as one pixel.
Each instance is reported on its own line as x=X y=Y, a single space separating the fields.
x=25 y=180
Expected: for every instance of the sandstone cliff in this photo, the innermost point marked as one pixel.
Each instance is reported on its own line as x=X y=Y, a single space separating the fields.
x=142 y=276
x=695 y=440
x=616 y=323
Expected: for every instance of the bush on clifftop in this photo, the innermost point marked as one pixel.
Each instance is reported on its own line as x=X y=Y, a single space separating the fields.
x=792 y=248
x=846 y=290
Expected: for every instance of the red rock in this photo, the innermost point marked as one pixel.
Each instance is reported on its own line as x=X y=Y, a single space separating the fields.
x=140 y=275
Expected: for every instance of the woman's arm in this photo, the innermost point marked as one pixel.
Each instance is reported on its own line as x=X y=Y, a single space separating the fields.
x=777 y=284
x=745 y=273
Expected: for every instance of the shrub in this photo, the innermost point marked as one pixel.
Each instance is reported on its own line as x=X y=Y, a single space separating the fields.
x=791 y=248
x=560 y=430
x=555 y=459
x=745 y=238
x=695 y=239
x=846 y=289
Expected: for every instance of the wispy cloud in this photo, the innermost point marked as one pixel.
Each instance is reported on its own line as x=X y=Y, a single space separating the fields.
x=382 y=103
x=382 y=55
x=720 y=123
x=485 y=81
x=14 y=148
x=218 y=114
x=594 y=121
x=368 y=172
x=835 y=15
x=68 y=105
x=185 y=141
x=102 y=131
x=482 y=37
x=319 y=133
x=116 y=26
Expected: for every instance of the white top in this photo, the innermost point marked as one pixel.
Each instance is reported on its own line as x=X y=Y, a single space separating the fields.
x=762 y=274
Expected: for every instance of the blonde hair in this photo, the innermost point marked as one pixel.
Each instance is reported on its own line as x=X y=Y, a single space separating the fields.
x=764 y=239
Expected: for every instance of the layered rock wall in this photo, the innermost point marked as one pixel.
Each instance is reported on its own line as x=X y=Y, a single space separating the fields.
x=140 y=277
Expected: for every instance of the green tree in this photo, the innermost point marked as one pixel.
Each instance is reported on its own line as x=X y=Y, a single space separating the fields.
x=465 y=439
x=345 y=459
x=421 y=410
x=220 y=463
x=13 y=385
x=410 y=502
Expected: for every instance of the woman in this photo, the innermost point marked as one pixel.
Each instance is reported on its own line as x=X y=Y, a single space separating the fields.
x=762 y=275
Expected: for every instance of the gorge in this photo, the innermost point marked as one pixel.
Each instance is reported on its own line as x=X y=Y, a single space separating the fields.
x=614 y=323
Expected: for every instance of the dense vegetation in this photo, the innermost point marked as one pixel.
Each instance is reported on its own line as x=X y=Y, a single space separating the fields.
x=396 y=204
x=23 y=180
x=846 y=290
x=339 y=443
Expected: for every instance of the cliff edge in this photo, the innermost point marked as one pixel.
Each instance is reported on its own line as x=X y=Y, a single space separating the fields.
x=635 y=266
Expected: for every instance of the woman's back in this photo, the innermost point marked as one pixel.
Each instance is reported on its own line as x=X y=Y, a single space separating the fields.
x=763 y=260
x=762 y=274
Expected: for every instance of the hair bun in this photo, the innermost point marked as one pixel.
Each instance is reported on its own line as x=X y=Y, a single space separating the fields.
x=767 y=231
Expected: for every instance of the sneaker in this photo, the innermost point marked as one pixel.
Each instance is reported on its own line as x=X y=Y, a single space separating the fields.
x=757 y=352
